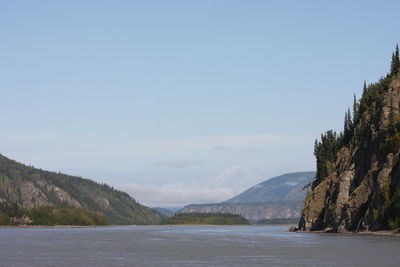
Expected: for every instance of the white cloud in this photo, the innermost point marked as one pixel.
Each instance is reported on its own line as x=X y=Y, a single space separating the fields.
x=176 y=195
x=221 y=148
x=226 y=184
x=238 y=176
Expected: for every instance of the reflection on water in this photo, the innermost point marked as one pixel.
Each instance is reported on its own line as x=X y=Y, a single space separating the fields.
x=191 y=246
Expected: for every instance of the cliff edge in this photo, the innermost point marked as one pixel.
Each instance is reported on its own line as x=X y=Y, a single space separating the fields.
x=357 y=187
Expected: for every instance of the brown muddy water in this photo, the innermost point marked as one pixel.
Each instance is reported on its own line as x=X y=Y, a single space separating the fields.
x=191 y=246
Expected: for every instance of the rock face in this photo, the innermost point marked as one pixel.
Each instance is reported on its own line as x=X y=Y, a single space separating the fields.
x=359 y=194
x=276 y=198
x=31 y=188
x=31 y=195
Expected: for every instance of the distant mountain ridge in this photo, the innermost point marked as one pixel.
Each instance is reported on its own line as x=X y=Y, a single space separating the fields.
x=278 y=197
x=29 y=188
x=164 y=211
x=286 y=187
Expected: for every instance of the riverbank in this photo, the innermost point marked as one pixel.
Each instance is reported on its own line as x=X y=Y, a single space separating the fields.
x=62 y=226
x=395 y=233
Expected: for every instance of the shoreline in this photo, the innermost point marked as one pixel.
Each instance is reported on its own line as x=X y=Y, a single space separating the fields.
x=109 y=226
x=63 y=226
x=391 y=233
x=125 y=225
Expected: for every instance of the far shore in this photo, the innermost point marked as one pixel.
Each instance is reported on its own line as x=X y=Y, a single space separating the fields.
x=63 y=226
x=391 y=233
x=109 y=226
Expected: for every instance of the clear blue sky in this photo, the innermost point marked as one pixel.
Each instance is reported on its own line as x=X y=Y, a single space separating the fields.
x=183 y=101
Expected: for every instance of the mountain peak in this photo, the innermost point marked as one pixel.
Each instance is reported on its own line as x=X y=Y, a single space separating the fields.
x=286 y=187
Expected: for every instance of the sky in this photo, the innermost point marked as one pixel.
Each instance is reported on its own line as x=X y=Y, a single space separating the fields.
x=181 y=102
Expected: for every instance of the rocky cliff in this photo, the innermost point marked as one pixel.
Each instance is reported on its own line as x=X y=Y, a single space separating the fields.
x=361 y=188
x=31 y=188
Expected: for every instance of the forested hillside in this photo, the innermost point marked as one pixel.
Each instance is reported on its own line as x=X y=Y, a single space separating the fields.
x=31 y=188
x=206 y=218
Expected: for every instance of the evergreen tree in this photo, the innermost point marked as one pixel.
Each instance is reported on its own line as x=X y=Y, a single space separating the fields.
x=346 y=123
x=365 y=88
x=348 y=127
x=397 y=57
x=392 y=64
x=395 y=65
x=355 y=110
x=349 y=120
x=325 y=152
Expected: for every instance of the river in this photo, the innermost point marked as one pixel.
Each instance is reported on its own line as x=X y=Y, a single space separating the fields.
x=192 y=246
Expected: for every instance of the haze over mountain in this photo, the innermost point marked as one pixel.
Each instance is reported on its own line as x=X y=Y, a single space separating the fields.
x=278 y=197
x=166 y=211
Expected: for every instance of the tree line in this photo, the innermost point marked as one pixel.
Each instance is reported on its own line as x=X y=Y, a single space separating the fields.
x=326 y=148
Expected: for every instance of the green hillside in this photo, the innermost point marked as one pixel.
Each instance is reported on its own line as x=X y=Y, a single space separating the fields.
x=49 y=216
x=206 y=218
x=31 y=188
